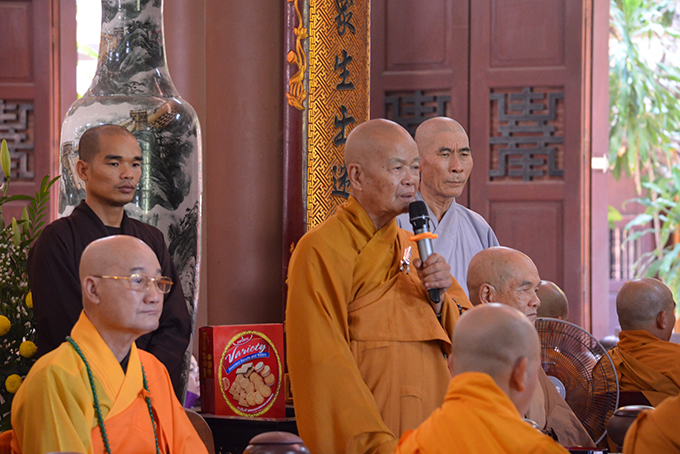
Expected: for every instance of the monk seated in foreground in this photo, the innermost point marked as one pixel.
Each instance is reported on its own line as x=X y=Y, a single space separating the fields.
x=644 y=358
x=655 y=431
x=554 y=302
x=365 y=344
x=97 y=392
x=507 y=276
x=495 y=357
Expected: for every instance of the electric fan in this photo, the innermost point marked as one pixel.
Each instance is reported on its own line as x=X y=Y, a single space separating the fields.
x=582 y=371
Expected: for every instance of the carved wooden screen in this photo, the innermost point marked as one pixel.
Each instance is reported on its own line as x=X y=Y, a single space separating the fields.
x=527 y=132
x=512 y=73
x=419 y=55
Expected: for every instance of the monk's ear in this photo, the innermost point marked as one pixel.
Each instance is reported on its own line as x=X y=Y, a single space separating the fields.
x=355 y=175
x=83 y=169
x=90 y=289
x=450 y=362
x=662 y=320
x=518 y=375
x=487 y=293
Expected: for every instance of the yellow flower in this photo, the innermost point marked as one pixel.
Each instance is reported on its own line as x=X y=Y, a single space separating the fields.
x=27 y=349
x=5 y=325
x=12 y=383
x=29 y=300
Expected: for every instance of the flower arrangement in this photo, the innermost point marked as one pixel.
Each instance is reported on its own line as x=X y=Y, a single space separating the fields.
x=17 y=324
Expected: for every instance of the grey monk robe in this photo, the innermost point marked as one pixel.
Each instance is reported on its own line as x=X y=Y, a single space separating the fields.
x=462 y=234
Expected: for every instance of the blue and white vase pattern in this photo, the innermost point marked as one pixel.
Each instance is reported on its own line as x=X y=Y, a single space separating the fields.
x=132 y=87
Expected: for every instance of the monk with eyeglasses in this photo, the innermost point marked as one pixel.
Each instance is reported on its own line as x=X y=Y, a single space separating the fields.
x=110 y=165
x=98 y=393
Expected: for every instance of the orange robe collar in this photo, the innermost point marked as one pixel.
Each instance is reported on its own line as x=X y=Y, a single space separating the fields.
x=122 y=388
x=646 y=363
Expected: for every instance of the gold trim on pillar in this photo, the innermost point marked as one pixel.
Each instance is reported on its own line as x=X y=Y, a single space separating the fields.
x=338 y=98
x=296 y=95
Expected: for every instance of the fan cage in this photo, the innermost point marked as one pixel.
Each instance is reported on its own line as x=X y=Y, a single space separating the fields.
x=579 y=361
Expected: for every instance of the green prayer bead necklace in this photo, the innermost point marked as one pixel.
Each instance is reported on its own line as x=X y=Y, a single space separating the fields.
x=97 y=410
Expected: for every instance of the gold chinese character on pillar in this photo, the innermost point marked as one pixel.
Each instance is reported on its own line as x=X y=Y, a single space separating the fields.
x=329 y=84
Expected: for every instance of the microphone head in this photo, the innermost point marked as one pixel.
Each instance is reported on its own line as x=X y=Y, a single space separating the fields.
x=418 y=216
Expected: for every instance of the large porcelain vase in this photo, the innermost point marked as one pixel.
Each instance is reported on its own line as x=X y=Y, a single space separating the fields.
x=132 y=87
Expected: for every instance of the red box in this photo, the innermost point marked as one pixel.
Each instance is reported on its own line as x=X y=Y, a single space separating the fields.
x=242 y=370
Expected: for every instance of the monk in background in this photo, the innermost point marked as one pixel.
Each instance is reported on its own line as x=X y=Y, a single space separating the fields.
x=644 y=358
x=446 y=164
x=655 y=431
x=365 y=345
x=495 y=357
x=554 y=302
x=507 y=276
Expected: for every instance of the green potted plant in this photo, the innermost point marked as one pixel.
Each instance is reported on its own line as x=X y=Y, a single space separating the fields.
x=644 y=87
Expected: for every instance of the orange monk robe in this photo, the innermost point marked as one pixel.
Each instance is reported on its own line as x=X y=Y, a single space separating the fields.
x=646 y=363
x=53 y=409
x=550 y=411
x=365 y=348
x=476 y=417
x=655 y=431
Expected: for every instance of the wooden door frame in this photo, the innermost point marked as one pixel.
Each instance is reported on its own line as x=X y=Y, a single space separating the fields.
x=575 y=78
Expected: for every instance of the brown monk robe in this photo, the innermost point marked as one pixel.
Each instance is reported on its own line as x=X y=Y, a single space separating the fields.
x=655 y=431
x=507 y=276
x=644 y=358
x=554 y=302
x=495 y=356
x=365 y=345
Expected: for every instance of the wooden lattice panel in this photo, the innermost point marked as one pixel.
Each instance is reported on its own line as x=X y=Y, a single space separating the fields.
x=411 y=108
x=18 y=128
x=527 y=134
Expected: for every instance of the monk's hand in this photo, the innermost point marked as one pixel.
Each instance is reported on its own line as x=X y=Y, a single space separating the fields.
x=435 y=273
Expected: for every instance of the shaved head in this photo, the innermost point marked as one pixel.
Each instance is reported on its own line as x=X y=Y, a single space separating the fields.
x=446 y=162
x=429 y=129
x=554 y=302
x=91 y=141
x=112 y=254
x=496 y=340
x=383 y=167
x=372 y=139
x=646 y=304
x=119 y=297
x=504 y=275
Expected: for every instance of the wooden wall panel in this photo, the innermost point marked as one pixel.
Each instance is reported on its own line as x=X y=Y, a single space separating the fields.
x=536 y=47
x=517 y=223
x=16 y=43
x=29 y=93
x=427 y=46
x=419 y=55
x=243 y=160
x=527 y=33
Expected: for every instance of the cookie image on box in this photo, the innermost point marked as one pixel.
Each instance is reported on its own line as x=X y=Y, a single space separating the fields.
x=249 y=372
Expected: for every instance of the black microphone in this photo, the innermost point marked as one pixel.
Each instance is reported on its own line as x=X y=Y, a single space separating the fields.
x=420 y=221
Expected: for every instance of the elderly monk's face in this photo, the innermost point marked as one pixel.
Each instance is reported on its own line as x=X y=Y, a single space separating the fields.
x=391 y=179
x=124 y=308
x=446 y=164
x=520 y=288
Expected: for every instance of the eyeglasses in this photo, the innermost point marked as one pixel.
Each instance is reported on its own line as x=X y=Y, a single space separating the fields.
x=141 y=282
